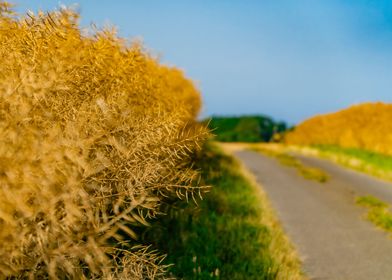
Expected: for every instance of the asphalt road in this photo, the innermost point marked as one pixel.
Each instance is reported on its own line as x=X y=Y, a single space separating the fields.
x=328 y=229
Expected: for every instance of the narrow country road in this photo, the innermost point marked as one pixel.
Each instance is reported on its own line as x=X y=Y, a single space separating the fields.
x=333 y=239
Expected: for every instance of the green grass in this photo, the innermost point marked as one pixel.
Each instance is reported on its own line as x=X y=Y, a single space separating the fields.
x=230 y=235
x=366 y=161
x=378 y=212
x=310 y=173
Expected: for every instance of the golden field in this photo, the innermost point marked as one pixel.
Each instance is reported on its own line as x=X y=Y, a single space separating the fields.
x=366 y=126
x=95 y=134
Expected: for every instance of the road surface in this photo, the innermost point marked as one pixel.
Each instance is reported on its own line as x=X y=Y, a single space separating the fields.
x=328 y=229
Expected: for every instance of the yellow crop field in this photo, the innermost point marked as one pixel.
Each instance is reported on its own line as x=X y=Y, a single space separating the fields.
x=366 y=126
x=94 y=135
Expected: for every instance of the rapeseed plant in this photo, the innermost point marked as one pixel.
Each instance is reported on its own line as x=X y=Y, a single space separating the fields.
x=366 y=126
x=94 y=135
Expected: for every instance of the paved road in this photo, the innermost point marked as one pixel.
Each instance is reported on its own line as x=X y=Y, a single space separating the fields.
x=322 y=220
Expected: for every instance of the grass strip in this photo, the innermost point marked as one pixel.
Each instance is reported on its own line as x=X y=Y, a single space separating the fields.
x=310 y=173
x=231 y=234
x=378 y=212
x=372 y=163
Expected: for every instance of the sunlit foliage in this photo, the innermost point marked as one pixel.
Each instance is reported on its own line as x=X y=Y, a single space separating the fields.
x=94 y=135
x=367 y=126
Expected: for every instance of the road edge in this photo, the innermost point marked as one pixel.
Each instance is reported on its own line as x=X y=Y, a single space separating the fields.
x=281 y=247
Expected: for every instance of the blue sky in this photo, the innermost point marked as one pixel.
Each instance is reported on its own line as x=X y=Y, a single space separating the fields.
x=289 y=59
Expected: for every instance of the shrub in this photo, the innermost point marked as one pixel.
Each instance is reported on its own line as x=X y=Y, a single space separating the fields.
x=94 y=134
x=367 y=126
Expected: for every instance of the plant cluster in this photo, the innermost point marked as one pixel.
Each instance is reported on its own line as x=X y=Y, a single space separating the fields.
x=378 y=212
x=95 y=135
x=367 y=126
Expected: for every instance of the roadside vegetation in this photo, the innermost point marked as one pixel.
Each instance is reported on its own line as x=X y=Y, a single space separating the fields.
x=231 y=234
x=358 y=137
x=378 y=165
x=245 y=128
x=365 y=126
x=278 y=152
x=378 y=212
x=95 y=135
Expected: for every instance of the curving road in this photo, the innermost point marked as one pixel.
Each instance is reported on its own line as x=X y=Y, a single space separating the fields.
x=322 y=219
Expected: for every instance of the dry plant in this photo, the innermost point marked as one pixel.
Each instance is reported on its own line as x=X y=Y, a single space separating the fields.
x=94 y=135
x=366 y=126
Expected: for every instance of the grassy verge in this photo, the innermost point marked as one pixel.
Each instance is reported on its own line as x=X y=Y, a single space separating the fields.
x=361 y=160
x=284 y=158
x=378 y=212
x=232 y=234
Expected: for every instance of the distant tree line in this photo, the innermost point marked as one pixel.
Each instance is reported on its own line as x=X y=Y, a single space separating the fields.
x=255 y=128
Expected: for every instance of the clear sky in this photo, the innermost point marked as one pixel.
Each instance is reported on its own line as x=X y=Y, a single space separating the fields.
x=288 y=59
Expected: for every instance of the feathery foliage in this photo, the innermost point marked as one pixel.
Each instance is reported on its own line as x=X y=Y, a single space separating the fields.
x=94 y=135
